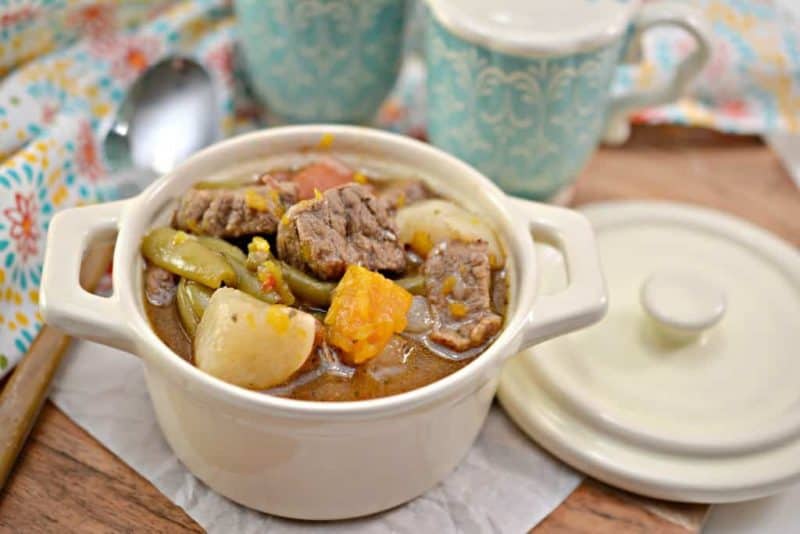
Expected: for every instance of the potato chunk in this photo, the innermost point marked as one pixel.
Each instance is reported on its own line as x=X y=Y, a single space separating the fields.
x=429 y=222
x=366 y=309
x=250 y=343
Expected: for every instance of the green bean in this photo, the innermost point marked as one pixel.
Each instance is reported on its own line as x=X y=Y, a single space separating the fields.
x=220 y=245
x=246 y=279
x=318 y=293
x=250 y=284
x=199 y=295
x=186 y=312
x=308 y=288
x=413 y=284
x=192 y=299
x=184 y=255
x=271 y=270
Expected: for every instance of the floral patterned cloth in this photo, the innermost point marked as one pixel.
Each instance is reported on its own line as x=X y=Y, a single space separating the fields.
x=56 y=109
x=68 y=65
x=752 y=82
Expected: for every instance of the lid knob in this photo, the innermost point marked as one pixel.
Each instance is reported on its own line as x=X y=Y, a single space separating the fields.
x=682 y=304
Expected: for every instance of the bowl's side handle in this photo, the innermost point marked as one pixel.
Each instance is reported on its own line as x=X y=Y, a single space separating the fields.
x=584 y=300
x=62 y=301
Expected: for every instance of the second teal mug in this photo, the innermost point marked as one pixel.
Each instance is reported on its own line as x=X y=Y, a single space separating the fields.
x=520 y=88
x=321 y=60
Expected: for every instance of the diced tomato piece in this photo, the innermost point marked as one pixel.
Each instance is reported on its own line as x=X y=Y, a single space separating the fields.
x=322 y=175
x=268 y=284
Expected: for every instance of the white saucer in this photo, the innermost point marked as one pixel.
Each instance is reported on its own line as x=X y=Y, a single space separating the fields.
x=708 y=415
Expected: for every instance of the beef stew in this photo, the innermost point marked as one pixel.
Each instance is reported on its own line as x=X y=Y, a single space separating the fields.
x=323 y=283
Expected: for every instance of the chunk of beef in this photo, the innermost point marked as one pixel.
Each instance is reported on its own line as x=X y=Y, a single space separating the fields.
x=347 y=225
x=235 y=212
x=457 y=281
x=159 y=286
x=404 y=193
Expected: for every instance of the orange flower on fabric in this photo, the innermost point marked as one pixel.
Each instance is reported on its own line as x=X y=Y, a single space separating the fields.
x=96 y=21
x=132 y=56
x=87 y=156
x=22 y=217
x=48 y=113
x=18 y=16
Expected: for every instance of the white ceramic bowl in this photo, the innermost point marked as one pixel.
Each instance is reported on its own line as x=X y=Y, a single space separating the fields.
x=319 y=460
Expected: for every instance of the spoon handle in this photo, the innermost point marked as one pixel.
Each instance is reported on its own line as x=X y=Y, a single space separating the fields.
x=29 y=384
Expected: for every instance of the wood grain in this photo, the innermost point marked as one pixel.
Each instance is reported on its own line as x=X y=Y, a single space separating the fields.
x=65 y=481
x=738 y=175
x=27 y=389
x=595 y=508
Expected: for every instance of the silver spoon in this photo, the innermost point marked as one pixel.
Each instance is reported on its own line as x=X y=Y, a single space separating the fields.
x=169 y=114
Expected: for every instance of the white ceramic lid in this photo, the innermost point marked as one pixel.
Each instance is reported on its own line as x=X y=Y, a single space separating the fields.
x=535 y=27
x=690 y=388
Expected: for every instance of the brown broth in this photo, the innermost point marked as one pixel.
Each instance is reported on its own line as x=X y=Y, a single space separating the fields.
x=387 y=374
x=167 y=324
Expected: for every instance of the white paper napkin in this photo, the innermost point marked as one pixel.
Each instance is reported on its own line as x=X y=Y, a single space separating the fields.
x=506 y=483
x=787 y=147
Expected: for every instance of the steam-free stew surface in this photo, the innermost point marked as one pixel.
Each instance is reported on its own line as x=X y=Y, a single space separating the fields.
x=341 y=248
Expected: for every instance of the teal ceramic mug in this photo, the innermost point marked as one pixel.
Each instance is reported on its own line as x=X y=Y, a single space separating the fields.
x=321 y=60
x=521 y=88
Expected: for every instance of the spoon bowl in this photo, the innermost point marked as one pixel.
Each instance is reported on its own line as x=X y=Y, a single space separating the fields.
x=169 y=114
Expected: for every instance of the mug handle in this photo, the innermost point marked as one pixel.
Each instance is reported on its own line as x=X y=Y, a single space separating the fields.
x=63 y=302
x=660 y=13
x=584 y=300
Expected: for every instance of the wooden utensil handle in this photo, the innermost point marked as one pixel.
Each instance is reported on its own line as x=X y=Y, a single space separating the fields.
x=27 y=389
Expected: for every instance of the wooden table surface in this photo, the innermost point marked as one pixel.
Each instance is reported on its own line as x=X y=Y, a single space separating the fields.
x=66 y=481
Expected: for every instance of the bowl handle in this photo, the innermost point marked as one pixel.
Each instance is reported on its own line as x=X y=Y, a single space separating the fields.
x=63 y=302
x=584 y=300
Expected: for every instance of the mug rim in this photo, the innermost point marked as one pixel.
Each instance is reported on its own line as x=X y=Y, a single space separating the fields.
x=454 y=21
x=136 y=218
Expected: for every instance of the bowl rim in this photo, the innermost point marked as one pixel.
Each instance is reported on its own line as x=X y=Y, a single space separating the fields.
x=519 y=243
